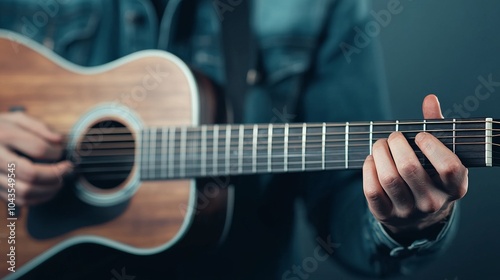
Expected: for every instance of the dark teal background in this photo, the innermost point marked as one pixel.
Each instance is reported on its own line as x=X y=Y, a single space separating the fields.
x=442 y=47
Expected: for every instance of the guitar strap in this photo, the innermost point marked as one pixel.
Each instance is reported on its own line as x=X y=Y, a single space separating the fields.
x=240 y=54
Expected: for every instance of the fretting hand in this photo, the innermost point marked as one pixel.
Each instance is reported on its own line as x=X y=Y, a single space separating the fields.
x=400 y=192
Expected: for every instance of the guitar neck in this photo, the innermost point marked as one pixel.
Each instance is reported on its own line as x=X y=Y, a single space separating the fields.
x=219 y=150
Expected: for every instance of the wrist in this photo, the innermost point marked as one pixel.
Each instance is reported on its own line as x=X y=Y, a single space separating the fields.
x=428 y=228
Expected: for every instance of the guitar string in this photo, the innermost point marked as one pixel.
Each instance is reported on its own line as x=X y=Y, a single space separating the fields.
x=248 y=142
x=246 y=164
x=248 y=146
x=196 y=167
x=281 y=126
x=265 y=136
x=236 y=130
x=193 y=156
x=222 y=161
x=210 y=165
x=337 y=124
x=98 y=158
x=194 y=172
x=234 y=151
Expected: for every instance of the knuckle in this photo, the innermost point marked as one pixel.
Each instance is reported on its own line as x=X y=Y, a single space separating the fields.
x=20 y=202
x=6 y=134
x=428 y=206
x=29 y=174
x=390 y=181
x=23 y=191
x=372 y=195
x=409 y=168
x=462 y=191
x=425 y=142
x=40 y=150
x=405 y=213
x=459 y=192
x=383 y=218
x=454 y=169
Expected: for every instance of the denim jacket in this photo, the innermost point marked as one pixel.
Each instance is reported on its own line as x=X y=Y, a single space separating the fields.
x=306 y=76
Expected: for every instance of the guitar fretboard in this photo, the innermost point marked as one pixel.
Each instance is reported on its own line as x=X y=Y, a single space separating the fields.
x=217 y=150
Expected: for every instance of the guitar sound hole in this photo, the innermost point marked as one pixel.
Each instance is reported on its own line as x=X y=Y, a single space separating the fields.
x=106 y=155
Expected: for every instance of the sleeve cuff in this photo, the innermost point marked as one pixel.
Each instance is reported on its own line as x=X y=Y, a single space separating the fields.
x=397 y=250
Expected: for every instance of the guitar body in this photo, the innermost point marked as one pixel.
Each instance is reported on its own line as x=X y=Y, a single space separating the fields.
x=146 y=89
x=133 y=121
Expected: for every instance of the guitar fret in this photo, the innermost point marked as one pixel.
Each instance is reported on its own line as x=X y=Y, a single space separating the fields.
x=334 y=148
x=472 y=141
x=228 y=147
x=304 y=130
x=269 y=147
x=204 y=150
x=145 y=148
x=152 y=152
x=215 y=152
x=454 y=135
x=285 y=149
x=240 y=148
x=424 y=159
x=397 y=125
x=194 y=152
x=163 y=164
x=323 y=140
x=371 y=138
x=183 y=152
x=359 y=144
x=488 y=140
x=347 y=145
x=171 y=153
x=254 y=148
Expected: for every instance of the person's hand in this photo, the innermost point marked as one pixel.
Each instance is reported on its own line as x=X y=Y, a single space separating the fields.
x=23 y=138
x=400 y=192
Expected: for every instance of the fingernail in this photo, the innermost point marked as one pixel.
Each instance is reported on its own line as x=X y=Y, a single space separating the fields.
x=392 y=135
x=420 y=137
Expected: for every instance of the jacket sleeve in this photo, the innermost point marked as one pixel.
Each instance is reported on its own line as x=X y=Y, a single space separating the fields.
x=347 y=84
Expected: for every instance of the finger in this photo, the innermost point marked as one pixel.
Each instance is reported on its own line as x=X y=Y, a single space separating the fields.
x=390 y=180
x=431 y=108
x=28 y=195
x=452 y=172
x=28 y=143
x=428 y=198
x=378 y=201
x=33 y=125
x=35 y=173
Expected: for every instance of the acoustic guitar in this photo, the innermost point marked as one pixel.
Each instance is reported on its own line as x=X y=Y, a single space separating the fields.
x=151 y=165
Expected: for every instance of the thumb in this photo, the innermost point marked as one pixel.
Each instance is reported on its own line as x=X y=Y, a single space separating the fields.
x=431 y=108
